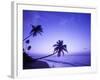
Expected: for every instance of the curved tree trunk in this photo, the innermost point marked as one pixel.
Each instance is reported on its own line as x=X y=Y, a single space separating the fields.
x=45 y=56
x=27 y=37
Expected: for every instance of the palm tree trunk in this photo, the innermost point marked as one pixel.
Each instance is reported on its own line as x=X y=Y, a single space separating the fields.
x=27 y=37
x=45 y=56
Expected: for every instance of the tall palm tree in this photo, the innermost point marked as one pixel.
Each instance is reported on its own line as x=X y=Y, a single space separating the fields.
x=59 y=48
x=34 y=31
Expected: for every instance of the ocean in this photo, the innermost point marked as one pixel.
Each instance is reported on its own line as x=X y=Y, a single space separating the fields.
x=68 y=60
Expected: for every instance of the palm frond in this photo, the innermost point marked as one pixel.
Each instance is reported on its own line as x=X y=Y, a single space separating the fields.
x=65 y=46
x=65 y=50
x=29 y=47
x=27 y=41
x=33 y=26
x=55 y=45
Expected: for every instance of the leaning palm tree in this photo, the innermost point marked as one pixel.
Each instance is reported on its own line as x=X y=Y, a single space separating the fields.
x=59 y=48
x=34 y=31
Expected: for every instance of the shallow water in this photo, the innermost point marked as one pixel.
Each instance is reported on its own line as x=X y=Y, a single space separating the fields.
x=75 y=60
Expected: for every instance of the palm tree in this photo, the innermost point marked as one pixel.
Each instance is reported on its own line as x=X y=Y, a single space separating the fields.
x=59 y=48
x=28 y=61
x=34 y=31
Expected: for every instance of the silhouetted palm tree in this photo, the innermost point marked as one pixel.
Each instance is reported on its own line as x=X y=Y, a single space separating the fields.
x=28 y=61
x=35 y=30
x=59 y=48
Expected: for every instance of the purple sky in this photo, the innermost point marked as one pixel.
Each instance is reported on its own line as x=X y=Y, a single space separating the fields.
x=73 y=28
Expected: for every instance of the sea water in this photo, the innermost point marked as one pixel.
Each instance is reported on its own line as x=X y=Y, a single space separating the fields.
x=71 y=60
